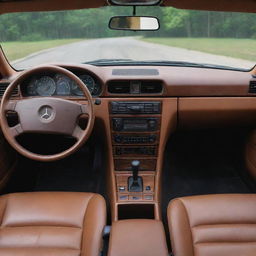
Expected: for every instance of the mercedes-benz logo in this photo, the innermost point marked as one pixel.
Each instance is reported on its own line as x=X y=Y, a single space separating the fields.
x=46 y=113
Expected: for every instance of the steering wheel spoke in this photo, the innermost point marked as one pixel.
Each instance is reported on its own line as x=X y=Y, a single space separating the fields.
x=16 y=130
x=78 y=132
x=10 y=106
x=85 y=109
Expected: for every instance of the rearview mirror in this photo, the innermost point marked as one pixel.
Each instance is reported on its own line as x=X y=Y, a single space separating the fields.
x=134 y=23
x=135 y=2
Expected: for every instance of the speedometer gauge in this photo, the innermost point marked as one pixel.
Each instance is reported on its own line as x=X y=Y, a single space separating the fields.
x=46 y=86
x=62 y=85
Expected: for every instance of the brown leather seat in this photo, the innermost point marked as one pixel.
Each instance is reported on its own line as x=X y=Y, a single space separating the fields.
x=213 y=225
x=51 y=224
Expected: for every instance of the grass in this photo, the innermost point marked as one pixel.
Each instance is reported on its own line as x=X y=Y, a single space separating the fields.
x=17 y=50
x=236 y=48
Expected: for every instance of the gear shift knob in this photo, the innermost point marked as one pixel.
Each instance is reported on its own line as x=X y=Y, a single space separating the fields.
x=135 y=169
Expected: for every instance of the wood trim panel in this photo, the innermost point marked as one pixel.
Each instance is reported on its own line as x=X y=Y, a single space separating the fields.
x=169 y=123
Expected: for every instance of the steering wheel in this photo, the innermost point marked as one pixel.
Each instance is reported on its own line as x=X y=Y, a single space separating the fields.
x=46 y=115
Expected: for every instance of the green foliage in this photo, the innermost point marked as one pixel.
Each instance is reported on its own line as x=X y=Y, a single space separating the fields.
x=32 y=37
x=93 y=23
x=241 y=48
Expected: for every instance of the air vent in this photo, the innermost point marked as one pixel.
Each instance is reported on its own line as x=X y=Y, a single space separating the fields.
x=3 y=87
x=135 y=87
x=149 y=87
x=252 y=88
x=119 y=87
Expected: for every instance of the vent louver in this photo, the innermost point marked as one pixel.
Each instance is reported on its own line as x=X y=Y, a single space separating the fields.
x=135 y=87
x=252 y=86
x=119 y=87
x=149 y=87
x=3 y=87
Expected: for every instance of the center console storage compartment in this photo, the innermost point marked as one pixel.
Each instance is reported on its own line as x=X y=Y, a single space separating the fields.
x=147 y=239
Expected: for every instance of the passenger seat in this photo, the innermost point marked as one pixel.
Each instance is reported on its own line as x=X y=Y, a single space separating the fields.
x=213 y=225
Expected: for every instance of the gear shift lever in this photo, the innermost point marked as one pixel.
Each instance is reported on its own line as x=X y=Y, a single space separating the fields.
x=135 y=169
x=135 y=182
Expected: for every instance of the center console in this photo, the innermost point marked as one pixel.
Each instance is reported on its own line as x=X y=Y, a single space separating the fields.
x=147 y=239
x=135 y=130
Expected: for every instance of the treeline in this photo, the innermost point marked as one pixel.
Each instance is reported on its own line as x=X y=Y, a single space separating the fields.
x=93 y=23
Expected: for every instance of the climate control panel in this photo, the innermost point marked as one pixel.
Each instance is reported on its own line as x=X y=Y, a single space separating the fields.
x=134 y=139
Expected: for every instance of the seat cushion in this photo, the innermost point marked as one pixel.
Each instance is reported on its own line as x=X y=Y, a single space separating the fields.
x=51 y=223
x=213 y=225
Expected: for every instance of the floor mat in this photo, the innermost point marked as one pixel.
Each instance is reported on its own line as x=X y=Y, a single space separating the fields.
x=80 y=172
x=204 y=162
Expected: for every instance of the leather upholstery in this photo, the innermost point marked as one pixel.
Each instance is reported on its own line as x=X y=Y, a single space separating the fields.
x=51 y=224
x=137 y=237
x=213 y=225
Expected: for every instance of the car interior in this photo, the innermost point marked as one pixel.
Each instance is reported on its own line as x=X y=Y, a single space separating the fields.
x=119 y=142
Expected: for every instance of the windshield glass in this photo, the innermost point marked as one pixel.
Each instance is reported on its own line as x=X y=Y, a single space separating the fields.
x=79 y=36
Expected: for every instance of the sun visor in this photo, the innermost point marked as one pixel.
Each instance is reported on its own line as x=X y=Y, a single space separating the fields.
x=7 y=6
x=214 y=5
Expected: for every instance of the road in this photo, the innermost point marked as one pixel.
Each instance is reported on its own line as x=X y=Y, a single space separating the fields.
x=123 y=48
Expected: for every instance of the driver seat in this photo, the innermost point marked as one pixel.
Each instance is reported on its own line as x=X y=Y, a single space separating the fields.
x=51 y=224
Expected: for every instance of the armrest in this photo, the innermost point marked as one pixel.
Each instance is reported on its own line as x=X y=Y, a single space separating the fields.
x=137 y=237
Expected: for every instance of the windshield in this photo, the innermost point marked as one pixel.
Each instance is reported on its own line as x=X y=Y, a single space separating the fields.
x=79 y=36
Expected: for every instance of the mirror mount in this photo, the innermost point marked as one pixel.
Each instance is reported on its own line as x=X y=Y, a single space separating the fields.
x=134 y=10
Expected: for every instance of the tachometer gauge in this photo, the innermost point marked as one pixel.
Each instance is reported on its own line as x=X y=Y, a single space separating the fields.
x=88 y=81
x=62 y=84
x=96 y=90
x=46 y=86
x=31 y=88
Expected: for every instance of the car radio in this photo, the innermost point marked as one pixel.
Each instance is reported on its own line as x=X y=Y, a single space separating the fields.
x=135 y=124
x=132 y=107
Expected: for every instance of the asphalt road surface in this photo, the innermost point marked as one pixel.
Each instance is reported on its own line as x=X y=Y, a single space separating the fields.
x=123 y=48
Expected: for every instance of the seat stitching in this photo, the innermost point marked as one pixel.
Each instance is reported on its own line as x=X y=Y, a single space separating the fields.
x=189 y=226
x=48 y=226
x=83 y=231
x=5 y=209
x=218 y=224
x=225 y=242
x=40 y=247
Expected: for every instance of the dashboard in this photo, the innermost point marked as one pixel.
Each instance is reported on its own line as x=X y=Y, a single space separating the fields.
x=202 y=96
x=46 y=85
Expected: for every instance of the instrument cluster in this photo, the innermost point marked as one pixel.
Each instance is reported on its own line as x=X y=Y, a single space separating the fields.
x=60 y=85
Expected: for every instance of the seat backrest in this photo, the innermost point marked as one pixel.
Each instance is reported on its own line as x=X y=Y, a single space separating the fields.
x=213 y=225
x=51 y=223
